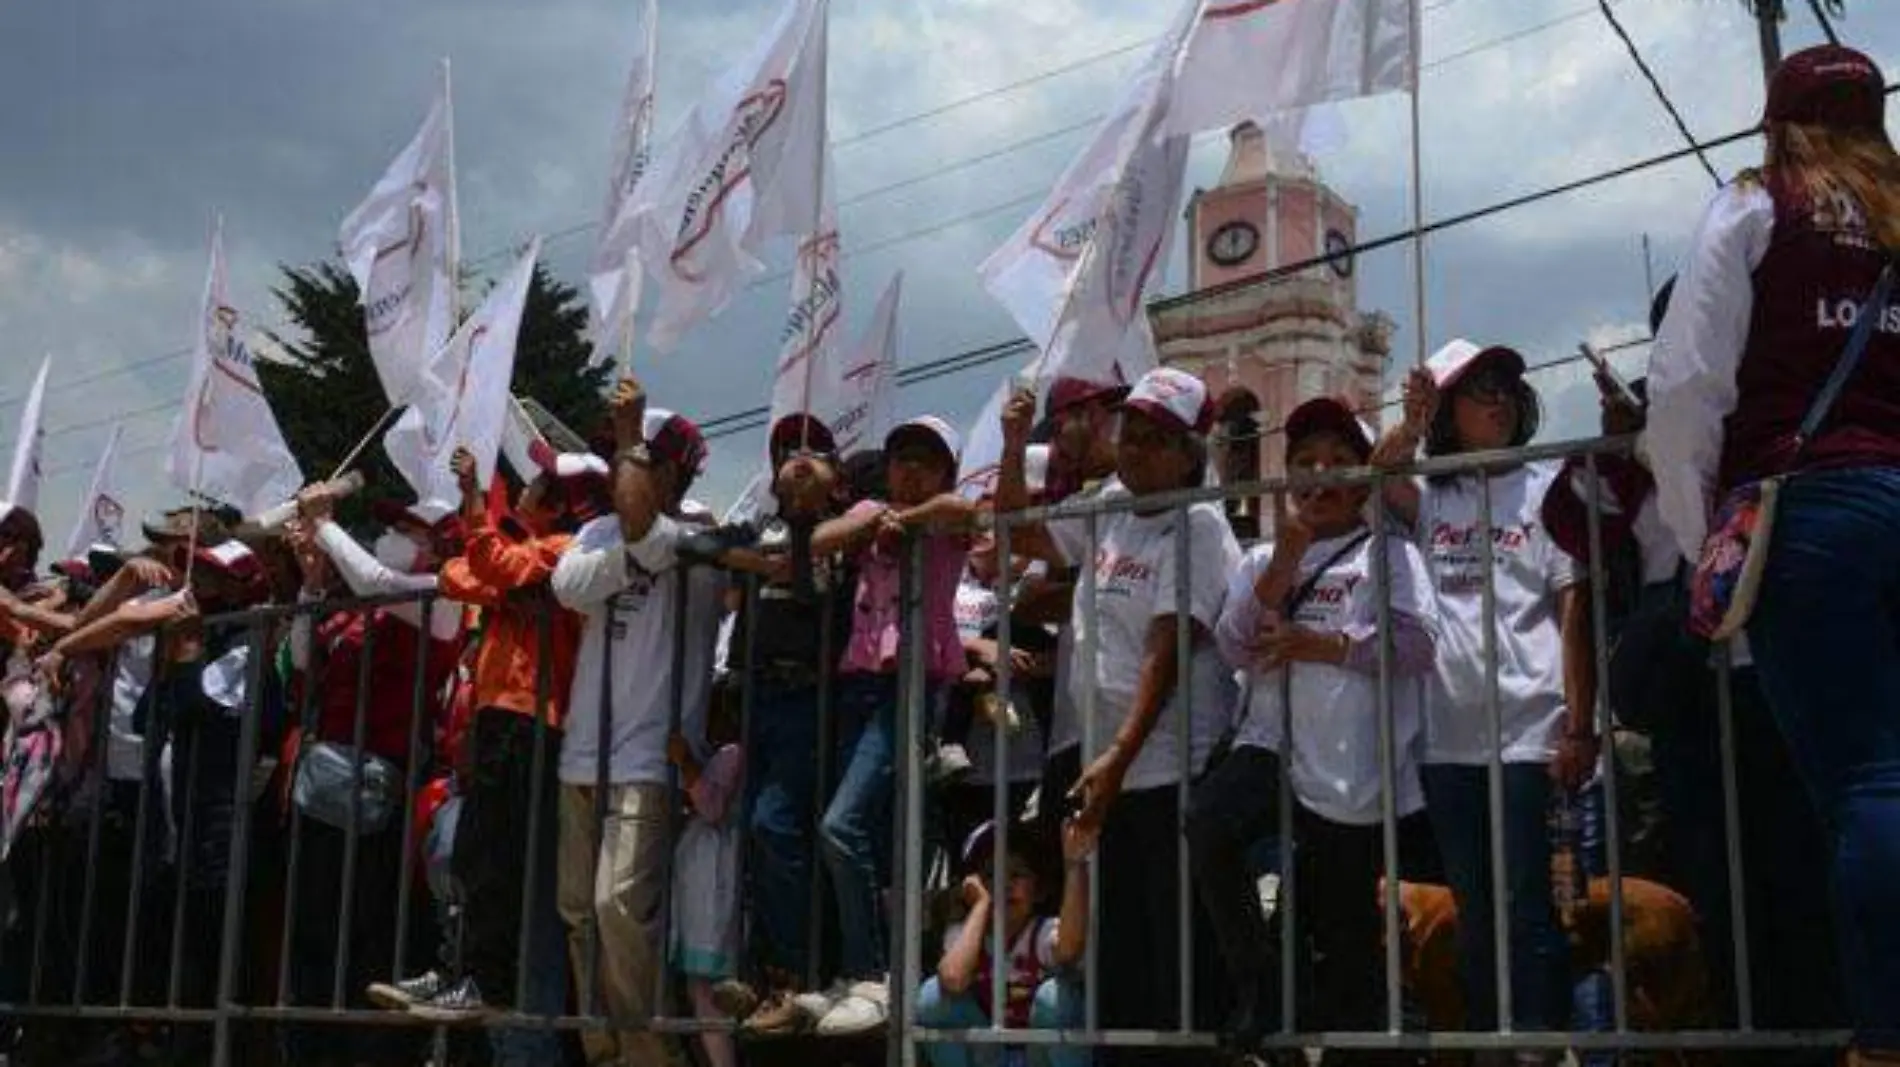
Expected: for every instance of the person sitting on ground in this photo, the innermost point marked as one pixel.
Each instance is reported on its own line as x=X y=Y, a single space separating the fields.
x=1042 y=989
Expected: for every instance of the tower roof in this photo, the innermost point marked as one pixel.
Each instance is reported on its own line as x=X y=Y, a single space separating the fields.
x=1254 y=153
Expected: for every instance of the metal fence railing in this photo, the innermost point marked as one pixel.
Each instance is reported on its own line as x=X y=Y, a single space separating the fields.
x=185 y=896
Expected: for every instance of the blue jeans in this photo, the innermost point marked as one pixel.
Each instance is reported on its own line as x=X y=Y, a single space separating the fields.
x=856 y=828
x=783 y=783
x=1457 y=799
x=1593 y=997
x=1058 y=1006
x=1826 y=640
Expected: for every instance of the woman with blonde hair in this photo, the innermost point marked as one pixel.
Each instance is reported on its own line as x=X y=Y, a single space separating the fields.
x=1788 y=259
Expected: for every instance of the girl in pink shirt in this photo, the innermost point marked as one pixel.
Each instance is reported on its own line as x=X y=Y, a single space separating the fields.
x=920 y=468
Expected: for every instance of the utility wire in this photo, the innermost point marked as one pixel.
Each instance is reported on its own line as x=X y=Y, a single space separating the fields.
x=1668 y=105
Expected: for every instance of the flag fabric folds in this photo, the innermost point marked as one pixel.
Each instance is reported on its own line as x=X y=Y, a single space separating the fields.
x=400 y=245
x=226 y=444
x=462 y=395
x=615 y=275
x=101 y=512
x=23 y=483
x=746 y=166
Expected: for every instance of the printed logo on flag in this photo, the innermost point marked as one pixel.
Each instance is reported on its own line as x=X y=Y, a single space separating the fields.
x=756 y=113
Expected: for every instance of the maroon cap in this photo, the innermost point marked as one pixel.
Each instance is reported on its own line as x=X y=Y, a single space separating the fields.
x=1328 y=415
x=800 y=430
x=1066 y=393
x=673 y=437
x=1827 y=86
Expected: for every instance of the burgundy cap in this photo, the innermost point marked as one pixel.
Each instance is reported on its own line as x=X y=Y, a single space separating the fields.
x=1326 y=414
x=673 y=437
x=1827 y=85
x=1066 y=393
x=800 y=430
x=1174 y=398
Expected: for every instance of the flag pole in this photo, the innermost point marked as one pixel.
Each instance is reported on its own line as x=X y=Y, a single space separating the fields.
x=356 y=452
x=454 y=211
x=1418 y=196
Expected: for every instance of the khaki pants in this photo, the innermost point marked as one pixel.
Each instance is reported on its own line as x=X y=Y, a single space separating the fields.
x=622 y=895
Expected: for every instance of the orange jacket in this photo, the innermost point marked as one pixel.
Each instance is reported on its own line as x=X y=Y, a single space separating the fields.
x=507 y=578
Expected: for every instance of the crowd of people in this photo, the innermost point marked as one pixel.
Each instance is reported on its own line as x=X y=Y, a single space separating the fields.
x=593 y=752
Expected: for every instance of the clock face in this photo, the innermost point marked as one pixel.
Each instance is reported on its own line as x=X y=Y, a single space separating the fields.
x=1233 y=244
x=1340 y=250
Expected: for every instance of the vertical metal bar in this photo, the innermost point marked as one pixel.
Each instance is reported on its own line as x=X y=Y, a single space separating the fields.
x=747 y=695
x=346 y=910
x=153 y=743
x=1494 y=718
x=1087 y=654
x=537 y=788
x=1388 y=760
x=101 y=789
x=183 y=859
x=682 y=588
x=1286 y=905
x=590 y=991
x=1184 y=748
x=237 y=877
x=412 y=784
x=312 y=679
x=999 y=800
x=1613 y=843
x=1732 y=835
x=908 y=845
x=827 y=661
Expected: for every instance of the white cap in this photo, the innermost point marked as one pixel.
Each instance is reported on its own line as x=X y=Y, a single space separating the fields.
x=1457 y=357
x=942 y=432
x=1174 y=397
x=431 y=512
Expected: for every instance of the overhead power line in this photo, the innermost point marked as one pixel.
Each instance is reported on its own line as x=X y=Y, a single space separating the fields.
x=1656 y=86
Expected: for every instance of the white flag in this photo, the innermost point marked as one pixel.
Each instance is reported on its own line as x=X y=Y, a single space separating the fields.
x=866 y=403
x=1073 y=275
x=747 y=165
x=983 y=447
x=462 y=395
x=1248 y=59
x=23 y=485
x=101 y=513
x=518 y=437
x=226 y=444
x=400 y=246
x=808 y=368
x=615 y=276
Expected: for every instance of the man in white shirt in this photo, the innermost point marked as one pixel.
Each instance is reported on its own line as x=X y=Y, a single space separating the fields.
x=635 y=665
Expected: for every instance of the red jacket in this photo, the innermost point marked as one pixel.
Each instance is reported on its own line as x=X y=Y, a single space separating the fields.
x=507 y=577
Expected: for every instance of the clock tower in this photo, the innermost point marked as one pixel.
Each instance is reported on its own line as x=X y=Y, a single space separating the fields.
x=1265 y=347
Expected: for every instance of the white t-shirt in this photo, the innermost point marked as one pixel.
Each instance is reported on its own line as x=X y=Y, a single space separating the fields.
x=976 y=614
x=131 y=674
x=1065 y=718
x=1134 y=585
x=1334 y=764
x=1530 y=571
x=637 y=585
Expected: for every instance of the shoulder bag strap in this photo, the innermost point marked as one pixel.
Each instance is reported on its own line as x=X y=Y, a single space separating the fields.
x=1870 y=315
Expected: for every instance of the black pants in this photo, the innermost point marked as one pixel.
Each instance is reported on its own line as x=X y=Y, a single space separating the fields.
x=1339 y=971
x=1140 y=952
x=491 y=843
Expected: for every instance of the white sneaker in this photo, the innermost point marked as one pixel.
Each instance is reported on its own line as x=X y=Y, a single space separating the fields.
x=864 y=1008
x=817 y=1004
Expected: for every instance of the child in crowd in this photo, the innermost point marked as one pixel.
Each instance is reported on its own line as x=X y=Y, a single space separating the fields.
x=706 y=870
x=1042 y=987
x=920 y=473
x=1302 y=618
x=1470 y=399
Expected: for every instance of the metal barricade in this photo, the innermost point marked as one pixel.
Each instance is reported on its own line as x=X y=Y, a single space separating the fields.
x=216 y=980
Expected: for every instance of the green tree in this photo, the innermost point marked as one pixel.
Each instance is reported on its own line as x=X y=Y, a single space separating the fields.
x=327 y=397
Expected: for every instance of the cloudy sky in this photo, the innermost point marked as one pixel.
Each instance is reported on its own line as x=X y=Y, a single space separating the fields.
x=126 y=125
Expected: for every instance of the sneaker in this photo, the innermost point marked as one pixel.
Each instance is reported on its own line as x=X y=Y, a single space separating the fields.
x=458 y=1003
x=735 y=999
x=950 y=762
x=777 y=1016
x=864 y=1008
x=815 y=1006
x=398 y=996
